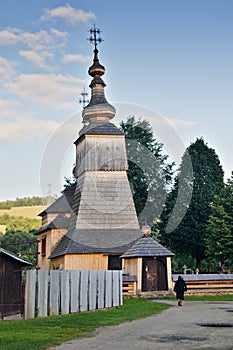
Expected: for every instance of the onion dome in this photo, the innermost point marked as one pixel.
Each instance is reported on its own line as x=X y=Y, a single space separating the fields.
x=98 y=110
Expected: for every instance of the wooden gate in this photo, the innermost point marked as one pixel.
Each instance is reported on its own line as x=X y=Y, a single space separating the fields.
x=154 y=274
x=11 y=293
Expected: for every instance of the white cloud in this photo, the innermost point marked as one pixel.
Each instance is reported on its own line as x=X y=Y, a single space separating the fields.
x=6 y=68
x=76 y=58
x=36 y=41
x=53 y=91
x=69 y=14
x=26 y=127
x=15 y=125
x=40 y=46
x=36 y=58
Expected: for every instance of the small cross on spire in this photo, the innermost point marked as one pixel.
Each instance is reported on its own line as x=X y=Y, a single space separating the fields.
x=95 y=37
x=83 y=100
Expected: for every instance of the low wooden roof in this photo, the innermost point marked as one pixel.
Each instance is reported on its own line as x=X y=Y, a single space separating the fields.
x=62 y=205
x=146 y=246
x=59 y=222
x=95 y=241
x=14 y=256
x=204 y=277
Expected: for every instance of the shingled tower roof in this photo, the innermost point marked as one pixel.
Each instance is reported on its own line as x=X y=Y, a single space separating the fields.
x=103 y=218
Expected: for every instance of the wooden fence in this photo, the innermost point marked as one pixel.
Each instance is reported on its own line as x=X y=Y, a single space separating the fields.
x=208 y=283
x=53 y=292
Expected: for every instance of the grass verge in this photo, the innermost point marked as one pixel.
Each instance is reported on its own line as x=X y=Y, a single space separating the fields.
x=41 y=333
x=216 y=297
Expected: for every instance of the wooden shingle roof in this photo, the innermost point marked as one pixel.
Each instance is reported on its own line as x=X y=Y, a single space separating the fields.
x=95 y=241
x=60 y=221
x=62 y=205
x=146 y=246
x=100 y=129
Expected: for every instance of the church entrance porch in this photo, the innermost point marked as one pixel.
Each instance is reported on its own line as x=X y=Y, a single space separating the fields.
x=154 y=274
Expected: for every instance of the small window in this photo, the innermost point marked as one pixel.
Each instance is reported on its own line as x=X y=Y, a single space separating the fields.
x=43 y=246
x=114 y=262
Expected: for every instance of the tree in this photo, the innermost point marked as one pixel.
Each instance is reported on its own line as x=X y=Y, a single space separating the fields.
x=19 y=223
x=189 y=237
x=23 y=244
x=19 y=237
x=219 y=241
x=149 y=173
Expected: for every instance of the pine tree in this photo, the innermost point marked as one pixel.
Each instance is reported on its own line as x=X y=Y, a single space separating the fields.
x=219 y=241
x=189 y=237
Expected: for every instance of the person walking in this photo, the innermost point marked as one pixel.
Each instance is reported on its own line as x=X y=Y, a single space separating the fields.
x=180 y=287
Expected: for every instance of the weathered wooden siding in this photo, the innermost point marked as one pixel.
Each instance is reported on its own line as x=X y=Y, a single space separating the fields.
x=101 y=152
x=52 y=237
x=11 y=299
x=51 y=292
x=133 y=267
x=81 y=262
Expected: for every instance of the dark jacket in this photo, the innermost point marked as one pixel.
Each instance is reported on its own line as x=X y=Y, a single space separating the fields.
x=180 y=288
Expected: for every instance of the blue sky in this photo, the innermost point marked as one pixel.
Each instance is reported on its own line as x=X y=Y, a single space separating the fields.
x=172 y=57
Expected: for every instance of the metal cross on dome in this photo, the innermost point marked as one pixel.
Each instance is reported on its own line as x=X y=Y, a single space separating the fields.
x=95 y=36
x=84 y=101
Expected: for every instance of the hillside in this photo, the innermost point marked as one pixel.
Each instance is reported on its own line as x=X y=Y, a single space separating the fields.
x=30 y=213
x=27 y=212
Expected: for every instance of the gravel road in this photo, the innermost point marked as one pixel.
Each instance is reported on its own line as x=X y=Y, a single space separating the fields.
x=195 y=325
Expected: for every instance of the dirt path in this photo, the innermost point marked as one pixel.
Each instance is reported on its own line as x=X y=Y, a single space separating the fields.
x=176 y=328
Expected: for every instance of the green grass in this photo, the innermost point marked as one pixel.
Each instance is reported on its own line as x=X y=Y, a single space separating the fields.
x=27 y=212
x=41 y=333
x=216 y=297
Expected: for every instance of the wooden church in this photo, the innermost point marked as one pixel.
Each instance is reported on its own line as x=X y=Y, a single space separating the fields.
x=93 y=225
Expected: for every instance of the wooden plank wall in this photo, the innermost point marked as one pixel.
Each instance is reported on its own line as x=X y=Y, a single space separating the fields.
x=53 y=292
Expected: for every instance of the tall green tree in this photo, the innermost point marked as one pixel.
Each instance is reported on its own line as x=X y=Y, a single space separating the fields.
x=219 y=240
x=149 y=172
x=206 y=180
x=23 y=244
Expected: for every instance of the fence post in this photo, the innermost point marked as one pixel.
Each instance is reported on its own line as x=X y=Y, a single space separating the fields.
x=54 y=293
x=43 y=293
x=108 y=289
x=101 y=290
x=115 y=288
x=65 y=292
x=84 y=284
x=120 y=288
x=30 y=294
x=74 y=290
x=92 y=290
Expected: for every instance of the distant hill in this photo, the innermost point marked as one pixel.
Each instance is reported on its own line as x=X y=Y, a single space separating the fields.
x=27 y=202
x=20 y=218
x=22 y=214
x=27 y=212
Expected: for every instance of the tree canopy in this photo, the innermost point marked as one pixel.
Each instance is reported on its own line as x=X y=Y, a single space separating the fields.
x=19 y=237
x=26 y=202
x=219 y=239
x=189 y=237
x=149 y=173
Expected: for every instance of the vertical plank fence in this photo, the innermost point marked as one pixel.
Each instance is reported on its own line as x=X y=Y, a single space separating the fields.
x=53 y=292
